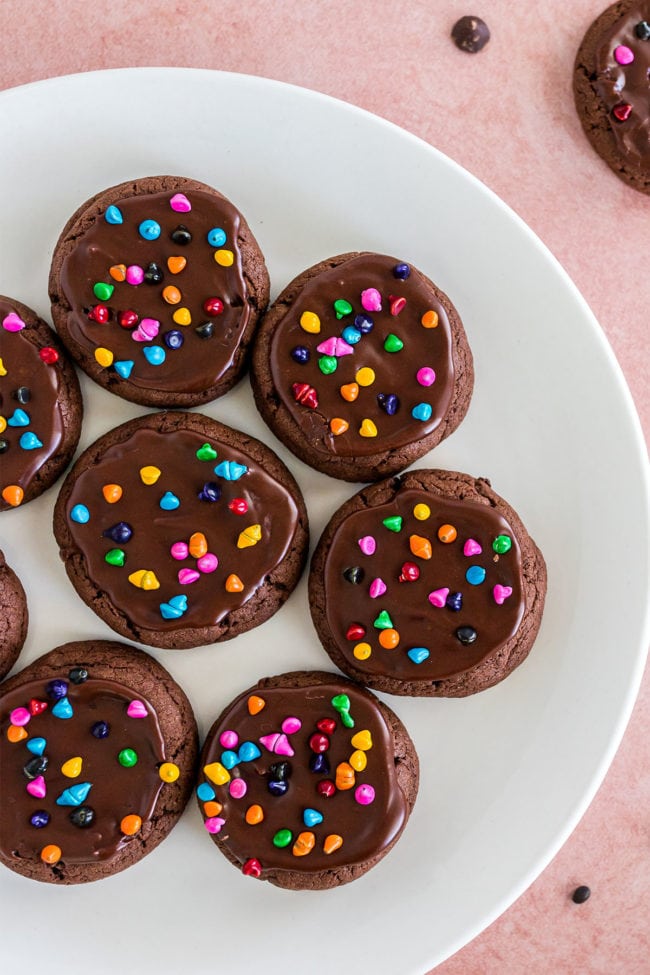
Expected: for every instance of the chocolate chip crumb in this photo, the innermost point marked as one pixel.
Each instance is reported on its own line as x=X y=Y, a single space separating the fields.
x=581 y=894
x=470 y=34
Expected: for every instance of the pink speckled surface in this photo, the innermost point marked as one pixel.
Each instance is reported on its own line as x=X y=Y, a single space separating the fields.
x=507 y=115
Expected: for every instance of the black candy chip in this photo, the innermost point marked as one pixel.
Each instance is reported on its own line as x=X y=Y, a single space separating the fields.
x=470 y=34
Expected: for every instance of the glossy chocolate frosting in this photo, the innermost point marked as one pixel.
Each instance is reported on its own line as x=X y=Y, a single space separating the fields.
x=395 y=371
x=200 y=362
x=349 y=576
x=248 y=499
x=366 y=830
x=116 y=791
x=22 y=368
x=627 y=84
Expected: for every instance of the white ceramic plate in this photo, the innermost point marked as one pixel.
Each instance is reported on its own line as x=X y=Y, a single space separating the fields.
x=505 y=774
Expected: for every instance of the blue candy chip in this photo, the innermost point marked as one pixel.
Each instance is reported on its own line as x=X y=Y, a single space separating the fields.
x=475 y=575
x=113 y=215
x=124 y=368
x=205 y=792
x=229 y=470
x=351 y=335
x=422 y=411
x=29 y=441
x=36 y=745
x=74 y=795
x=80 y=514
x=216 y=237
x=229 y=759
x=154 y=354
x=149 y=229
x=311 y=817
x=169 y=501
x=417 y=654
x=173 y=609
x=62 y=708
x=248 y=751
x=19 y=419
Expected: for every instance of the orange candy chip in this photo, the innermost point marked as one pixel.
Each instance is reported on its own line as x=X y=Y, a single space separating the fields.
x=212 y=808
x=171 y=295
x=349 y=391
x=430 y=319
x=420 y=546
x=447 y=534
x=254 y=815
x=234 y=583
x=344 y=776
x=176 y=264
x=131 y=825
x=338 y=426
x=118 y=272
x=13 y=494
x=304 y=844
x=255 y=704
x=112 y=493
x=51 y=854
x=198 y=545
x=15 y=734
x=332 y=842
x=389 y=639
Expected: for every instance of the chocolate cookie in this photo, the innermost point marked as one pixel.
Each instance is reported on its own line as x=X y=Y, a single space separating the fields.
x=156 y=287
x=40 y=402
x=361 y=366
x=13 y=617
x=612 y=94
x=427 y=585
x=98 y=748
x=179 y=531
x=307 y=781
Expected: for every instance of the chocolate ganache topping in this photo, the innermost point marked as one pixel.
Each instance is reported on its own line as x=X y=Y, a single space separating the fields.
x=31 y=424
x=154 y=291
x=623 y=82
x=422 y=587
x=175 y=521
x=363 y=359
x=82 y=763
x=301 y=779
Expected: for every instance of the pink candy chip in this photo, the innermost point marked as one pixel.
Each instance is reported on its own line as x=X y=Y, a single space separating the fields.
x=367 y=544
x=377 y=588
x=623 y=54
x=187 y=576
x=501 y=593
x=136 y=709
x=180 y=203
x=37 y=787
x=20 y=717
x=471 y=547
x=229 y=739
x=438 y=597
x=146 y=330
x=425 y=376
x=214 y=824
x=371 y=299
x=13 y=322
x=179 y=551
x=335 y=346
x=237 y=788
x=207 y=562
x=364 y=794
x=134 y=275
x=282 y=746
x=291 y=725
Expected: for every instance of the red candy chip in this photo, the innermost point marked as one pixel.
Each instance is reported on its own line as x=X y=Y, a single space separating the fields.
x=410 y=572
x=213 y=306
x=622 y=111
x=326 y=725
x=99 y=313
x=326 y=788
x=252 y=868
x=128 y=318
x=238 y=505
x=355 y=631
x=48 y=355
x=319 y=743
x=37 y=707
x=305 y=394
x=396 y=304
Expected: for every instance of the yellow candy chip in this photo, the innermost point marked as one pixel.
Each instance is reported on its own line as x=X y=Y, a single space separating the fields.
x=169 y=772
x=72 y=768
x=3 y=424
x=3 y=371
x=310 y=322
x=144 y=579
x=149 y=475
x=422 y=512
x=367 y=429
x=362 y=651
x=217 y=773
x=365 y=376
x=249 y=536
x=358 y=760
x=362 y=740
x=182 y=316
x=224 y=257
x=104 y=357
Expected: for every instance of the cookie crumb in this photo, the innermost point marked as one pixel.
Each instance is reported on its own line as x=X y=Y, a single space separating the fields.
x=581 y=894
x=470 y=34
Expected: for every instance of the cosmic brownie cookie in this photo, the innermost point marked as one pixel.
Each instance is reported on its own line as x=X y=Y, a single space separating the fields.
x=156 y=286
x=13 y=617
x=40 y=405
x=307 y=781
x=179 y=531
x=361 y=366
x=612 y=93
x=98 y=748
x=428 y=585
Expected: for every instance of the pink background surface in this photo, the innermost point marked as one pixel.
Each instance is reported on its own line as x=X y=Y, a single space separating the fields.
x=507 y=116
